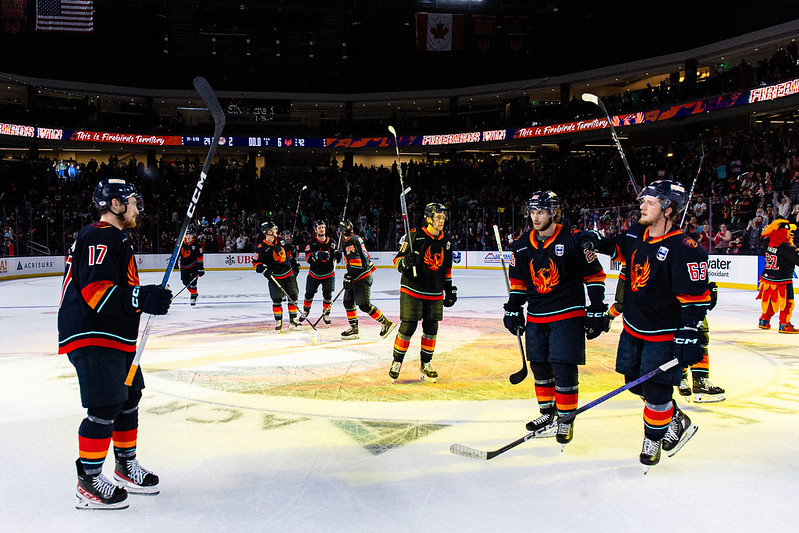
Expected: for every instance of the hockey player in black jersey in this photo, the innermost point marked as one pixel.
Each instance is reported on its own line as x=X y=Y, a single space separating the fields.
x=322 y=255
x=776 y=281
x=425 y=288
x=98 y=322
x=191 y=263
x=358 y=284
x=551 y=277
x=274 y=261
x=666 y=297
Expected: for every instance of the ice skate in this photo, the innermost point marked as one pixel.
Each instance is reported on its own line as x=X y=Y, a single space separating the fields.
x=134 y=478
x=97 y=492
x=387 y=327
x=193 y=300
x=544 y=426
x=351 y=333
x=650 y=453
x=279 y=326
x=706 y=392
x=680 y=431
x=565 y=433
x=394 y=371
x=293 y=323
x=763 y=324
x=787 y=328
x=427 y=372
x=326 y=317
x=685 y=389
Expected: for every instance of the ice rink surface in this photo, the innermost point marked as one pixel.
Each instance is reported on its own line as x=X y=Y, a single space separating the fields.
x=254 y=431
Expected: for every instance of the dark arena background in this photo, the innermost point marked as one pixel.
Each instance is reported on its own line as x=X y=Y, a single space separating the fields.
x=251 y=430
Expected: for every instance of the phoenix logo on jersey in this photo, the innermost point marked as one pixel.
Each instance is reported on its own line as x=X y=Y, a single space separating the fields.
x=280 y=256
x=639 y=274
x=433 y=261
x=546 y=278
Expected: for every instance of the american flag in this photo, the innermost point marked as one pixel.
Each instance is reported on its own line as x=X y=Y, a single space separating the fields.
x=76 y=16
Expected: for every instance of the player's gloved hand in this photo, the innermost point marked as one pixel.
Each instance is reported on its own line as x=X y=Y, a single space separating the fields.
x=596 y=320
x=587 y=240
x=338 y=257
x=450 y=296
x=152 y=299
x=267 y=273
x=714 y=294
x=322 y=255
x=200 y=273
x=514 y=320
x=260 y=268
x=347 y=281
x=295 y=268
x=408 y=262
x=690 y=342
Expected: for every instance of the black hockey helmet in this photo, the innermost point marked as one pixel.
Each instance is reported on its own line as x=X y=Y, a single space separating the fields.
x=669 y=193
x=432 y=208
x=286 y=234
x=317 y=223
x=191 y=230
x=543 y=200
x=346 y=227
x=268 y=226
x=111 y=188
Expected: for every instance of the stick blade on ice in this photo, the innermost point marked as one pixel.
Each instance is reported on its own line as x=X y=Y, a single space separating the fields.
x=466 y=451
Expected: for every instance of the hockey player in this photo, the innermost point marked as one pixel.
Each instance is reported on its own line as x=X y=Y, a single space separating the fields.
x=425 y=288
x=666 y=297
x=322 y=255
x=549 y=276
x=292 y=252
x=776 y=281
x=98 y=324
x=357 y=284
x=191 y=263
x=273 y=260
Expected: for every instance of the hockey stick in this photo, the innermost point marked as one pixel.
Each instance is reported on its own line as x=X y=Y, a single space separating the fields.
x=300 y=314
x=516 y=377
x=466 y=451
x=690 y=194
x=403 y=204
x=343 y=216
x=207 y=94
x=185 y=287
x=297 y=212
x=594 y=99
x=331 y=305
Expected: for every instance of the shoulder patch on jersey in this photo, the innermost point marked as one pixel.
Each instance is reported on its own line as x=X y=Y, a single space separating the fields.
x=688 y=241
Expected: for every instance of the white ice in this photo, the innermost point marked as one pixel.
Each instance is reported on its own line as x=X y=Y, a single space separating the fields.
x=254 y=431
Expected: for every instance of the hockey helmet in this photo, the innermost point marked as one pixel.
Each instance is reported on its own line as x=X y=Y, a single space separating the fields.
x=191 y=230
x=111 y=188
x=286 y=235
x=268 y=226
x=669 y=193
x=543 y=201
x=317 y=223
x=432 y=208
x=346 y=227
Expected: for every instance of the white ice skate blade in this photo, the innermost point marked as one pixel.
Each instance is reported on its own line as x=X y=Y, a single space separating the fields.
x=88 y=505
x=709 y=398
x=350 y=337
x=427 y=378
x=686 y=436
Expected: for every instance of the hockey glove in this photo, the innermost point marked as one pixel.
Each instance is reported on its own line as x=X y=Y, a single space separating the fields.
x=152 y=299
x=200 y=273
x=596 y=320
x=347 y=282
x=321 y=255
x=514 y=320
x=338 y=257
x=408 y=262
x=690 y=342
x=266 y=273
x=295 y=268
x=450 y=296
x=714 y=294
x=260 y=268
x=588 y=240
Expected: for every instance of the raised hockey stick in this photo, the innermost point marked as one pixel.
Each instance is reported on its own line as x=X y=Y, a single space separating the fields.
x=297 y=212
x=516 y=377
x=343 y=217
x=207 y=94
x=594 y=99
x=331 y=305
x=403 y=192
x=466 y=451
x=696 y=178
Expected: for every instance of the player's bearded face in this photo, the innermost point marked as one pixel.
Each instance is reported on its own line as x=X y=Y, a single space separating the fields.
x=651 y=212
x=540 y=218
x=320 y=230
x=130 y=218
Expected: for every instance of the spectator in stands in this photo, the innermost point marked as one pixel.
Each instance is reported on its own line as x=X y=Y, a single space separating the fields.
x=753 y=232
x=722 y=239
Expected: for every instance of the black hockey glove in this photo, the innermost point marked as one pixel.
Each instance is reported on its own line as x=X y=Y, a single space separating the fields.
x=597 y=320
x=266 y=273
x=408 y=262
x=295 y=268
x=200 y=273
x=322 y=255
x=514 y=320
x=714 y=294
x=152 y=299
x=338 y=257
x=347 y=282
x=690 y=342
x=260 y=268
x=588 y=240
x=450 y=296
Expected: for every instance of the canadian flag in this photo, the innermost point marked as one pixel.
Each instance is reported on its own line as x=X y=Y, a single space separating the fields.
x=439 y=32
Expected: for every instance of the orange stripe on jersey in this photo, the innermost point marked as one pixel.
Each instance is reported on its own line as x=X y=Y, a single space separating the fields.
x=93 y=293
x=420 y=296
x=555 y=318
x=599 y=277
x=618 y=257
x=517 y=285
x=664 y=337
x=355 y=263
x=133 y=273
x=97 y=341
x=689 y=299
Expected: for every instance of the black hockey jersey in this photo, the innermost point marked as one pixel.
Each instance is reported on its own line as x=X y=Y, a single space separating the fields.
x=550 y=276
x=191 y=255
x=321 y=255
x=779 y=264
x=666 y=284
x=359 y=264
x=434 y=271
x=275 y=257
x=97 y=292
